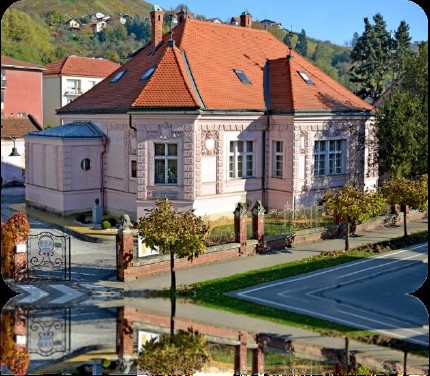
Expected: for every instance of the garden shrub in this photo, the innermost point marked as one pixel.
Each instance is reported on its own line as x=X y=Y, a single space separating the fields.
x=106 y=225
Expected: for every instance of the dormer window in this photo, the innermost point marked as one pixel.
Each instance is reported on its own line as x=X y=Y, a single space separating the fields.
x=242 y=76
x=118 y=76
x=148 y=73
x=306 y=78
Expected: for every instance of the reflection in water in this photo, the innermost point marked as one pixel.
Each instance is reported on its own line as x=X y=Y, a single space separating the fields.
x=129 y=340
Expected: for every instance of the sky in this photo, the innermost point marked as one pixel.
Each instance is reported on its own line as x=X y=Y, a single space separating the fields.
x=332 y=20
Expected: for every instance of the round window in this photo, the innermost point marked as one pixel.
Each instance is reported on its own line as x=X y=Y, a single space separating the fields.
x=85 y=164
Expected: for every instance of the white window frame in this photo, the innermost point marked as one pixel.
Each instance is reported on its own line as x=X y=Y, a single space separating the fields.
x=329 y=156
x=277 y=159
x=239 y=158
x=168 y=160
x=73 y=85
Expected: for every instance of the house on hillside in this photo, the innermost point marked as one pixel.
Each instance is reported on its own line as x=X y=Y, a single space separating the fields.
x=66 y=79
x=218 y=115
x=74 y=24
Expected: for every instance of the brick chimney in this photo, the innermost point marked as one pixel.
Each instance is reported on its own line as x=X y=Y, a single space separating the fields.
x=183 y=15
x=157 y=16
x=246 y=19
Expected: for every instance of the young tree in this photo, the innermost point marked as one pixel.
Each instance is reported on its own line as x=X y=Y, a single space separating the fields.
x=407 y=193
x=302 y=44
x=353 y=204
x=181 y=234
x=371 y=59
x=183 y=353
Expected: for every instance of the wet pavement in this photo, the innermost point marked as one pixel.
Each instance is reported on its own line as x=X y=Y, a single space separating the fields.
x=94 y=313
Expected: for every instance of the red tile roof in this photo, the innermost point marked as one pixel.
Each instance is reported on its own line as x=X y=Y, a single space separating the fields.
x=7 y=61
x=202 y=64
x=16 y=127
x=81 y=66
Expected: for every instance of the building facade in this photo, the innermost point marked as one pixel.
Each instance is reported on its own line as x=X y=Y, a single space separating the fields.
x=219 y=114
x=66 y=79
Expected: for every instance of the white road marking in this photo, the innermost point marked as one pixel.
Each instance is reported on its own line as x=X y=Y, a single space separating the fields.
x=35 y=294
x=69 y=294
x=329 y=270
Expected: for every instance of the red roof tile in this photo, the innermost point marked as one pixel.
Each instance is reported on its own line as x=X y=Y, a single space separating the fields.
x=16 y=127
x=202 y=66
x=81 y=66
x=11 y=62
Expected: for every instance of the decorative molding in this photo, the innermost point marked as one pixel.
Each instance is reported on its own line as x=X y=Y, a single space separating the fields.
x=210 y=143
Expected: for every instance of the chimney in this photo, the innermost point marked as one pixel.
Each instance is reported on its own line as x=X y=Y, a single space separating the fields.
x=245 y=19
x=183 y=15
x=157 y=16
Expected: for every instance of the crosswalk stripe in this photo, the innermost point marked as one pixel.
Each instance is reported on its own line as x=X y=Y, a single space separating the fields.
x=35 y=294
x=69 y=294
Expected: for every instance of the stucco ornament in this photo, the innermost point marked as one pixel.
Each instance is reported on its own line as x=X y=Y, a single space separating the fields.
x=240 y=211
x=125 y=222
x=258 y=209
x=210 y=143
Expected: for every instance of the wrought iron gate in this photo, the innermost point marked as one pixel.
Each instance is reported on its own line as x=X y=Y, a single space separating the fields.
x=49 y=332
x=48 y=256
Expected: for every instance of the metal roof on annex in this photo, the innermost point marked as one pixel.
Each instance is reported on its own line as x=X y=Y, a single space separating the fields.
x=76 y=130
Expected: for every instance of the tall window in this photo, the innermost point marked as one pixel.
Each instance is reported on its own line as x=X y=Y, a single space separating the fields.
x=278 y=159
x=241 y=159
x=166 y=163
x=328 y=157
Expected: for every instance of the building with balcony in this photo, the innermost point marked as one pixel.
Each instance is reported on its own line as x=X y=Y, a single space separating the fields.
x=66 y=79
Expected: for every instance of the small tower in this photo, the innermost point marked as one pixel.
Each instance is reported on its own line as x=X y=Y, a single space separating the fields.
x=246 y=19
x=157 y=15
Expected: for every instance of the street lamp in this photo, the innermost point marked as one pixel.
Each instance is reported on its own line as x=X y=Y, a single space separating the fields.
x=14 y=152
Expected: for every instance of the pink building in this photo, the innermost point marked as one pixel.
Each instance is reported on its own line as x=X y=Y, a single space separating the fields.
x=21 y=112
x=219 y=114
x=21 y=89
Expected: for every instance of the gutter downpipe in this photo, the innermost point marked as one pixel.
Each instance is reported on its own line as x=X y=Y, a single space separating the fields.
x=264 y=198
x=102 y=175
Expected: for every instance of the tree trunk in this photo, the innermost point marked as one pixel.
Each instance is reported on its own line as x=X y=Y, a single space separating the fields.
x=347 y=236
x=405 y=228
x=172 y=314
x=172 y=273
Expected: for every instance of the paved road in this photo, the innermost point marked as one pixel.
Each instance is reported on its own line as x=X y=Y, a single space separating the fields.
x=368 y=294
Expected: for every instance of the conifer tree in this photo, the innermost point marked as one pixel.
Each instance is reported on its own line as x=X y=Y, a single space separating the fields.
x=371 y=59
x=302 y=44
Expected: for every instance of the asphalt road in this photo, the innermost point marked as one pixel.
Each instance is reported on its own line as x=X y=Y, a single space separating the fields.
x=368 y=294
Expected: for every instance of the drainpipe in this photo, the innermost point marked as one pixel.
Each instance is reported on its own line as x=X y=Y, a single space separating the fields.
x=102 y=175
x=264 y=198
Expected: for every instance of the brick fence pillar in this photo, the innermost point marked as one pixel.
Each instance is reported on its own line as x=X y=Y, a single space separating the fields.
x=258 y=223
x=125 y=334
x=125 y=251
x=240 y=216
x=258 y=357
x=240 y=361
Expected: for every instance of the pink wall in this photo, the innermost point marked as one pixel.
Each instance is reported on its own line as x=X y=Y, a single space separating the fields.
x=23 y=93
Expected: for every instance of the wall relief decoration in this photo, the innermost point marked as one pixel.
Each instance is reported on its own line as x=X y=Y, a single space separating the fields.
x=210 y=143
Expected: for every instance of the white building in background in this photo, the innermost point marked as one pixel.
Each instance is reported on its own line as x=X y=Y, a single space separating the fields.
x=66 y=79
